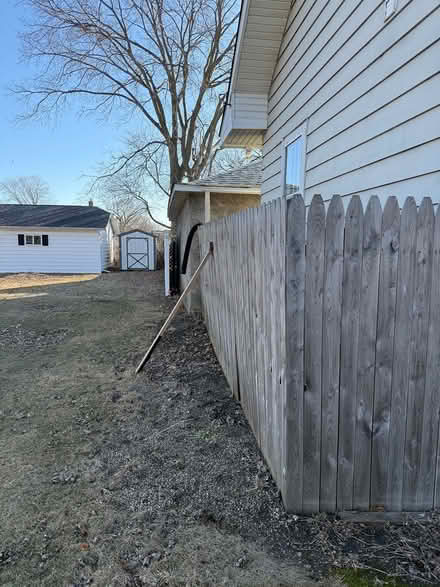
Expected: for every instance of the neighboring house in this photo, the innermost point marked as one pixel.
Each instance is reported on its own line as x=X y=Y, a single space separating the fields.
x=207 y=199
x=342 y=96
x=54 y=239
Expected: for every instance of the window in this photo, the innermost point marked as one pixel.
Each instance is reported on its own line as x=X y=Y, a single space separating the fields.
x=33 y=239
x=294 y=162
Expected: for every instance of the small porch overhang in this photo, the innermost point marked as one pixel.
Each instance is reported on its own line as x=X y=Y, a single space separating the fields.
x=181 y=192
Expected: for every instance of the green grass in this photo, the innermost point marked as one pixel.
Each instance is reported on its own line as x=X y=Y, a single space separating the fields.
x=365 y=578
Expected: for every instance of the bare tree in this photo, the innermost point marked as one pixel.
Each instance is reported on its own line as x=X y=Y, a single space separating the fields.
x=227 y=159
x=25 y=190
x=166 y=60
x=124 y=195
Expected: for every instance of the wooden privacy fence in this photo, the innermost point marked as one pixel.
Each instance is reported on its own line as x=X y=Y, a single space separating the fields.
x=327 y=326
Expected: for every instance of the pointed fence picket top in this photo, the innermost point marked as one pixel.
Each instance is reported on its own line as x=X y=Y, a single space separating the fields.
x=326 y=326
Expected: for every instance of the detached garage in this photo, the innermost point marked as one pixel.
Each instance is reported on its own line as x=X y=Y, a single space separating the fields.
x=54 y=239
x=137 y=250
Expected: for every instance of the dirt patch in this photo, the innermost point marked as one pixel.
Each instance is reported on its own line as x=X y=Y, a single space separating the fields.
x=112 y=480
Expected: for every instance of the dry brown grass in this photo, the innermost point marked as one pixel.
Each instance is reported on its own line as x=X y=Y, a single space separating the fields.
x=19 y=280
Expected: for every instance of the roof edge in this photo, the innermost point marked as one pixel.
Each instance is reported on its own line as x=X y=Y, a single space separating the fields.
x=136 y=230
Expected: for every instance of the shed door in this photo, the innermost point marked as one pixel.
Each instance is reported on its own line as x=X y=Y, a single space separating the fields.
x=137 y=253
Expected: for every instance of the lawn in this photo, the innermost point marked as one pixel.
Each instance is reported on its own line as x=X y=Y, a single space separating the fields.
x=112 y=479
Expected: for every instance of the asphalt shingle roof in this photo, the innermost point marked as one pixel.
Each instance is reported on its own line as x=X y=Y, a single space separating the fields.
x=53 y=216
x=248 y=176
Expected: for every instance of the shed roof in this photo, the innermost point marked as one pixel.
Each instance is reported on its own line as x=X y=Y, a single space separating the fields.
x=247 y=178
x=53 y=216
x=136 y=230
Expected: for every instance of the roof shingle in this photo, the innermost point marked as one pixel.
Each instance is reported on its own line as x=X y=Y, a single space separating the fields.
x=250 y=175
x=53 y=216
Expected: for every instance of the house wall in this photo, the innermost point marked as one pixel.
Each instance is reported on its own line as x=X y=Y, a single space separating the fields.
x=368 y=91
x=192 y=213
x=69 y=251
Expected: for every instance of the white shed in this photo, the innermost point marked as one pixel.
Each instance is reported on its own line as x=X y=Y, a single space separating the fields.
x=137 y=250
x=54 y=239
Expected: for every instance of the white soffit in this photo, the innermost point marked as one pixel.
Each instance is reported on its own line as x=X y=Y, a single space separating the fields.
x=261 y=30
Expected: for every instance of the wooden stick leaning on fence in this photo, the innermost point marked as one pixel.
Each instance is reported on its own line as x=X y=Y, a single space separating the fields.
x=175 y=309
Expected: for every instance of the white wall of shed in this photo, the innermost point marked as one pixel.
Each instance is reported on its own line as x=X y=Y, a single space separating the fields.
x=151 y=249
x=69 y=251
x=369 y=90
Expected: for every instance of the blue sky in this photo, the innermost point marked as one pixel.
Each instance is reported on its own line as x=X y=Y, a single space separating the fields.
x=62 y=152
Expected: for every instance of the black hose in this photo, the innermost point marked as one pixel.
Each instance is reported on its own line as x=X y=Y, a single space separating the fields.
x=189 y=240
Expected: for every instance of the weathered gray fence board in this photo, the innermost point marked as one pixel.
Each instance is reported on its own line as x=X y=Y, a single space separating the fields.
x=404 y=304
x=332 y=304
x=384 y=351
x=270 y=326
x=313 y=354
x=332 y=337
x=253 y=382
x=431 y=452
x=295 y=288
x=259 y=291
x=282 y=309
x=429 y=447
x=367 y=353
x=351 y=296
x=418 y=349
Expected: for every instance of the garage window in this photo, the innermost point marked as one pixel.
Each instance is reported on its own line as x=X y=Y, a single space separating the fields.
x=33 y=239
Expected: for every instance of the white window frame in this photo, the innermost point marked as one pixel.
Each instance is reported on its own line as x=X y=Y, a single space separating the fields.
x=33 y=235
x=299 y=132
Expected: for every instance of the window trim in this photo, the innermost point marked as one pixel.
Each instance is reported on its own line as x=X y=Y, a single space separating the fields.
x=32 y=235
x=300 y=131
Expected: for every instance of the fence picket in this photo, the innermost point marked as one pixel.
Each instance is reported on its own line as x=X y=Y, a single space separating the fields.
x=426 y=487
x=351 y=295
x=431 y=462
x=367 y=353
x=418 y=349
x=313 y=353
x=332 y=303
x=295 y=287
x=389 y=257
x=404 y=302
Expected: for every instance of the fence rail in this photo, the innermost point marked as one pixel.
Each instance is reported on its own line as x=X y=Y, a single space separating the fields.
x=327 y=326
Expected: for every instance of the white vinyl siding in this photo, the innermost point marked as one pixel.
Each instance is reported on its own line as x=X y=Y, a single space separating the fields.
x=368 y=89
x=245 y=119
x=69 y=251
